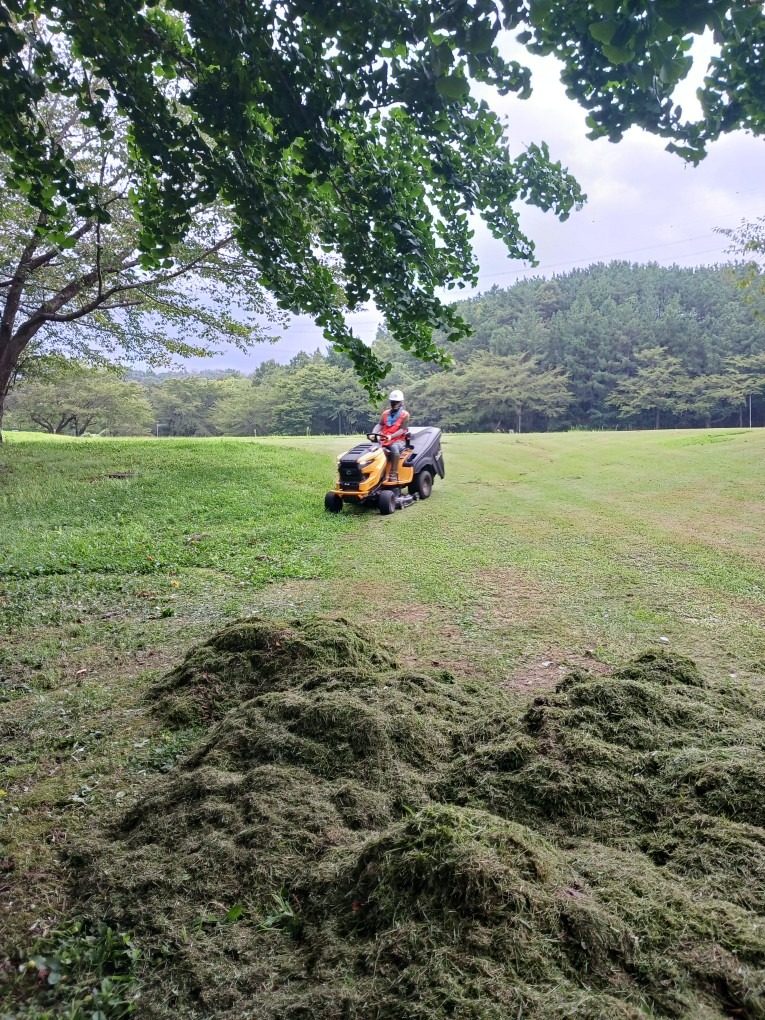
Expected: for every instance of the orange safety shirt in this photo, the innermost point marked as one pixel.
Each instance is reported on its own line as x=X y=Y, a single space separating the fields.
x=393 y=425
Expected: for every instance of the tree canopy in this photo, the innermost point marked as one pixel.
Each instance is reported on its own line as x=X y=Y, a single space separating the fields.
x=347 y=139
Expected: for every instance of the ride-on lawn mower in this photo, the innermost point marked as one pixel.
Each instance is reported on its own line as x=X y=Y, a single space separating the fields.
x=362 y=473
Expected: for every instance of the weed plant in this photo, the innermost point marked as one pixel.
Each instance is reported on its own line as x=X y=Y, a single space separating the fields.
x=81 y=972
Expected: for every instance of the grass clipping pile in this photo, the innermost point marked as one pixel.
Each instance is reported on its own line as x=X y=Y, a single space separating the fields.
x=354 y=840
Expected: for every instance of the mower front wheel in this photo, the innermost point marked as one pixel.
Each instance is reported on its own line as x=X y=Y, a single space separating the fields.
x=333 y=503
x=422 y=485
x=386 y=502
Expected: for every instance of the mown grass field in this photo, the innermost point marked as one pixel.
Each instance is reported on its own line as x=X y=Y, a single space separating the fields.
x=536 y=553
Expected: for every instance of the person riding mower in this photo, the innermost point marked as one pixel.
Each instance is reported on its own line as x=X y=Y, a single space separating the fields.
x=393 y=432
x=363 y=472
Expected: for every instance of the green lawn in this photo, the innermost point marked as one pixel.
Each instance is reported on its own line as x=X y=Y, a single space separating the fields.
x=536 y=552
x=538 y=548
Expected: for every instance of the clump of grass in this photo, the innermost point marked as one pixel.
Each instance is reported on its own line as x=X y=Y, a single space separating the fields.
x=456 y=911
x=253 y=657
x=347 y=839
x=713 y=855
x=609 y=757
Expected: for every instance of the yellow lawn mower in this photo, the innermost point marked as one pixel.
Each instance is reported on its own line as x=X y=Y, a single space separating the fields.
x=362 y=473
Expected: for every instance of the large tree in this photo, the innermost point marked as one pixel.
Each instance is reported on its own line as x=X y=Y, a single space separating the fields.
x=345 y=136
x=748 y=244
x=82 y=400
x=744 y=379
x=658 y=385
x=492 y=393
x=78 y=287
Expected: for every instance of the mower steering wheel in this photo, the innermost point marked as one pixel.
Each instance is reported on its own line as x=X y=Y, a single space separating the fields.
x=373 y=437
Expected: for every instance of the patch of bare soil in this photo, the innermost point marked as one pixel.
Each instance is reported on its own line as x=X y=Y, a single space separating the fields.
x=119 y=476
x=543 y=673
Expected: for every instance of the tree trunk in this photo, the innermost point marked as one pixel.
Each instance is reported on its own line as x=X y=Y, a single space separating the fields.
x=657 y=418
x=45 y=425
x=520 y=415
x=6 y=377
x=12 y=346
x=80 y=428
x=7 y=372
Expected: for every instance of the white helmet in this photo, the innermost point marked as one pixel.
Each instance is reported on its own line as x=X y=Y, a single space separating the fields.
x=396 y=396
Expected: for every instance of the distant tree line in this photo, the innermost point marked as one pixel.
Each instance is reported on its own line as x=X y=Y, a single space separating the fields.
x=611 y=346
x=314 y=394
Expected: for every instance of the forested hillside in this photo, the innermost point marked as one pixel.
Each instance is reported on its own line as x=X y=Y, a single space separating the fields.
x=611 y=346
x=627 y=339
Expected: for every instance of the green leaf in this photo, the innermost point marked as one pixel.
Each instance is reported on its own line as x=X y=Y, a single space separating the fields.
x=480 y=37
x=453 y=87
x=234 y=914
x=615 y=55
x=607 y=7
x=442 y=59
x=396 y=49
x=603 y=31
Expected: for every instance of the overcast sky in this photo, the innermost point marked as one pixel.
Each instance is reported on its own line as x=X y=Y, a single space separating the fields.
x=643 y=203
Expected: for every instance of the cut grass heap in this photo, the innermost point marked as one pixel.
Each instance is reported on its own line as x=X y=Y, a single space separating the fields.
x=353 y=840
x=648 y=759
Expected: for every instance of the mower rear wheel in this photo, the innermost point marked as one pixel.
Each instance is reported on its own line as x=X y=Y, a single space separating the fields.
x=333 y=503
x=422 y=485
x=386 y=502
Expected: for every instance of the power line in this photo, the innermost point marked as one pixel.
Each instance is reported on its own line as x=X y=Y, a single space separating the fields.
x=603 y=258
